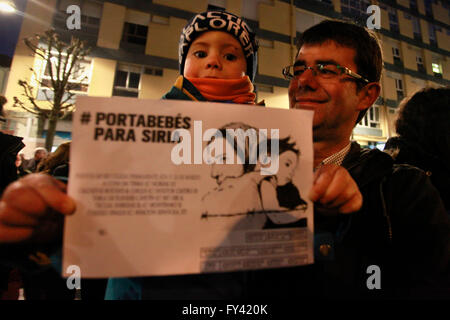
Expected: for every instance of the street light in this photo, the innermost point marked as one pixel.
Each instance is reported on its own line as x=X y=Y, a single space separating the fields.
x=7 y=7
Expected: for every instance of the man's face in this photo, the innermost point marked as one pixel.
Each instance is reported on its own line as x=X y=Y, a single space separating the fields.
x=334 y=101
x=215 y=54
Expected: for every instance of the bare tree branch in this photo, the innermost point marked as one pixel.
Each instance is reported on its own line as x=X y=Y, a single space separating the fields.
x=63 y=62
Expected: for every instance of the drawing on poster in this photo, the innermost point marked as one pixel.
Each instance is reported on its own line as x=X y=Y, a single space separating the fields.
x=248 y=188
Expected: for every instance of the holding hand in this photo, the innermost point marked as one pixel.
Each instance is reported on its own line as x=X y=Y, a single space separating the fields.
x=32 y=208
x=335 y=190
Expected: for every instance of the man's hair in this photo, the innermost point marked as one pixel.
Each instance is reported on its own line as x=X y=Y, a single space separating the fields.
x=424 y=120
x=368 y=57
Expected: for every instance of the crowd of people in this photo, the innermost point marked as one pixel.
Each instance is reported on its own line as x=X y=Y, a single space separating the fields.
x=369 y=209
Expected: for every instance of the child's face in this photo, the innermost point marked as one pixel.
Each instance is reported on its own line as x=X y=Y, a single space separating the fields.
x=288 y=163
x=215 y=54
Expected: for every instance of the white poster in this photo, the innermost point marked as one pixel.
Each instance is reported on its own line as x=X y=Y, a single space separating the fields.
x=167 y=187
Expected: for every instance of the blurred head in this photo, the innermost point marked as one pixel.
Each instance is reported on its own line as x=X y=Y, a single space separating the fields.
x=424 y=119
x=40 y=153
x=57 y=158
x=3 y=101
x=345 y=98
x=221 y=38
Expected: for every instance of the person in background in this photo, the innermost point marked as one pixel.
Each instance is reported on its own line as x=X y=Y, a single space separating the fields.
x=9 y=148
x=423 y=128
x=59 y=157
x=20 y=171
x=39 y=155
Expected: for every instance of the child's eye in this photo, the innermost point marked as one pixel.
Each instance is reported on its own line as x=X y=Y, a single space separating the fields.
x=200 y=54
x=230 y=57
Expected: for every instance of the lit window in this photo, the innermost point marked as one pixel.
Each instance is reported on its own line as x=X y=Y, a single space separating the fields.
x=420 y=65
x=78 y=82
x=372 y=118
x=399 y=88
x=436 y=68
x=396 y=56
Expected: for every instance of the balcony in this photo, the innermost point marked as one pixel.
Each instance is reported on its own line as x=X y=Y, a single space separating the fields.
x=418 y=37
x=414 y=9
x=421 y=68
x=394 y=28
x=398 y=62
x=433 y=44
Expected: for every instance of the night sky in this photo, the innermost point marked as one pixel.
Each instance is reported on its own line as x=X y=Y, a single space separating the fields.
x=10 y=28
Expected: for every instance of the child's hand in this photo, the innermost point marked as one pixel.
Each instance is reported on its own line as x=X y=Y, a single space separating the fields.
x=335 y=190
x=27 y=209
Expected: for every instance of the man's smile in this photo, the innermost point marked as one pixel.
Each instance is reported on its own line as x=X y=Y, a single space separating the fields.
x=306 y=103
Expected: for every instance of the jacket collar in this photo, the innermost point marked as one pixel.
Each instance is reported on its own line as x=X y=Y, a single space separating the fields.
x=366 y=165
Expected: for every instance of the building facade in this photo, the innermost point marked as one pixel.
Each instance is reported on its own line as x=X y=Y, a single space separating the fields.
x=135 y=49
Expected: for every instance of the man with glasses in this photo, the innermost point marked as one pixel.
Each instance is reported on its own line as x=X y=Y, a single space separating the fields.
x=397 y=245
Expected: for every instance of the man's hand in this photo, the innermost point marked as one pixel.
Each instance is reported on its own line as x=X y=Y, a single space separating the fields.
x=31 y=208
x=335 y=190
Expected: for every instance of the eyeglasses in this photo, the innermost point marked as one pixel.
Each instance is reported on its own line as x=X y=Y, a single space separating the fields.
x=321 y=70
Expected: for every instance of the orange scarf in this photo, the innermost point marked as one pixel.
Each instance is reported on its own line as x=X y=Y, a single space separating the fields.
x=236 y=90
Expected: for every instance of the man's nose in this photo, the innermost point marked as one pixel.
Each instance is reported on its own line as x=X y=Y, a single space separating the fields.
x=307 y=80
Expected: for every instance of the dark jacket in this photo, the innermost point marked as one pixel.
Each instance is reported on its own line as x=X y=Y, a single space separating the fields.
x=437 y=169
x=402 y=228
x=9 y=147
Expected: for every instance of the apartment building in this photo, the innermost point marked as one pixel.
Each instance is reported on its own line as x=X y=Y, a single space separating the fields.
x=135 y=49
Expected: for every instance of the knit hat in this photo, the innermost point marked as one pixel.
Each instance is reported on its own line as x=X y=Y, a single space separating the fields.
x=220 y=21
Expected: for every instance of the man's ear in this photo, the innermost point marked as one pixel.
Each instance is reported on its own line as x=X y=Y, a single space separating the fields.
x=368 y=95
